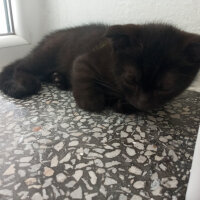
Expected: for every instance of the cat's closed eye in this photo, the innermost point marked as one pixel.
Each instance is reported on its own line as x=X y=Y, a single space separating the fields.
x=165 y=87
x=167 y=83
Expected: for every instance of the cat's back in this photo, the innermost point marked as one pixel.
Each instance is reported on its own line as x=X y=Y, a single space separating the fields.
x=77 y=41
x=67 y=44
x=81 y=39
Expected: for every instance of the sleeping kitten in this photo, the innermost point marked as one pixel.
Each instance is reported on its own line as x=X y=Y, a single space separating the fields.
x=126 y=67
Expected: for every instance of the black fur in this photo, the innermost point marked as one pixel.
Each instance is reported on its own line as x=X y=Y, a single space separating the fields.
x=126 y=67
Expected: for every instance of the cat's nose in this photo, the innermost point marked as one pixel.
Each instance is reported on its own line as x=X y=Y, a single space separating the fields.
x=142 y=101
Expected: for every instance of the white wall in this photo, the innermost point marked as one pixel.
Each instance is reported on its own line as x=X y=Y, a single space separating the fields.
x=44 y=16
x=62 y=13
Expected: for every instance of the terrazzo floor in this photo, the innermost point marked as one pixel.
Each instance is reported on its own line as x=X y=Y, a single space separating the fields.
x=51 y=149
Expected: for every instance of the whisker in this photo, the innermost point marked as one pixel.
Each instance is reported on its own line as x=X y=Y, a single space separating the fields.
x=106 y=85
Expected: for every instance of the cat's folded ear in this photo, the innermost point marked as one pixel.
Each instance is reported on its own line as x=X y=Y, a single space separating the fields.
x=123 y=37
x=193 y=51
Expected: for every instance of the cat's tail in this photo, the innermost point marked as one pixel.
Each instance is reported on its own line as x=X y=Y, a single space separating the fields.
x=18 y=83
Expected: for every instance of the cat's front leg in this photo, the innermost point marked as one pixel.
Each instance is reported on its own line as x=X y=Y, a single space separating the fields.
x=86 y=92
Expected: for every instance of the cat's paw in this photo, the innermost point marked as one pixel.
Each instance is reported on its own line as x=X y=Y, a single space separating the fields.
x=60 y=81
x=57 y=78
x=22 y=85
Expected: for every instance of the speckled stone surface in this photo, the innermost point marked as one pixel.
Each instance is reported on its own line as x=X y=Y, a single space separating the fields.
x=50 y=149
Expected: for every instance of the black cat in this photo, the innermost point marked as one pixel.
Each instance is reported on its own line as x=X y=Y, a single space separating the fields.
x=126 y=67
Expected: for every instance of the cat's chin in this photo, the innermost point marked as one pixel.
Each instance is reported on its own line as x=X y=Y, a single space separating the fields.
x=139 y=106
x=143 y=107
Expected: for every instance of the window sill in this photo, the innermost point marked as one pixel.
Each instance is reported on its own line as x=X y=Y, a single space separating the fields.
x=12 y=41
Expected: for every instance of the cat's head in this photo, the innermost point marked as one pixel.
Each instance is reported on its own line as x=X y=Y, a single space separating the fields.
x=153 y=62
